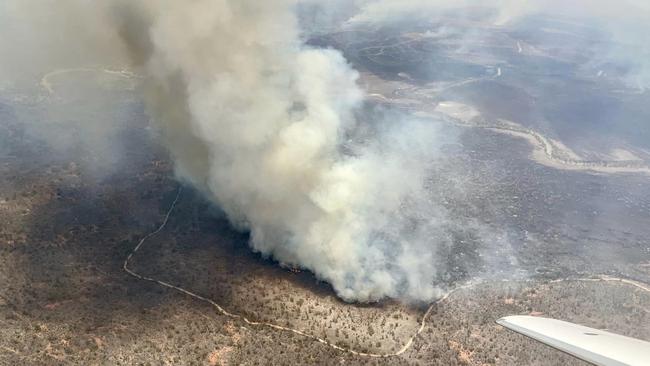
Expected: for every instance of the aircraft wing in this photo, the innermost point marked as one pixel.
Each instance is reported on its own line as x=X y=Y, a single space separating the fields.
x=592 y=345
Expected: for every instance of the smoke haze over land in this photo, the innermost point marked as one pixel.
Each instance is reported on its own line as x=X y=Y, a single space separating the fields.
x=266 y=127
x=623 y=24
x=258 y=122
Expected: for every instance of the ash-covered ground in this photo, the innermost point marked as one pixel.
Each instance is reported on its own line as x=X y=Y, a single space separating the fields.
x=554 y=219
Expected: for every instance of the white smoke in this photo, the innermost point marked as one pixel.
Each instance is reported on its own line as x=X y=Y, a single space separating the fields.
x=257 y=121
x=265 y=127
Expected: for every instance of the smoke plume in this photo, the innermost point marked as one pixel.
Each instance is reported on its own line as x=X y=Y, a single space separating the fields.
x=258 y=121
x=266 y=126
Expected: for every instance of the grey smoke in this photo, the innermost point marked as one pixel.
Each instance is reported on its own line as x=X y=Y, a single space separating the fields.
x=265 y=127
x=256 y=120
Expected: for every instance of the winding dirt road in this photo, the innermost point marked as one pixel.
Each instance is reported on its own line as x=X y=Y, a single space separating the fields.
x=408 y=342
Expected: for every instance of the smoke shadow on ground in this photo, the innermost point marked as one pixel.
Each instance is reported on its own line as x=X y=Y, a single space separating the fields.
x=78 y=233
x=200 y=250
x=68 y=268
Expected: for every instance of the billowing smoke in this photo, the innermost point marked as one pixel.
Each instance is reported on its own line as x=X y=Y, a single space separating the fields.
x=263 y=125
x=267 y=127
